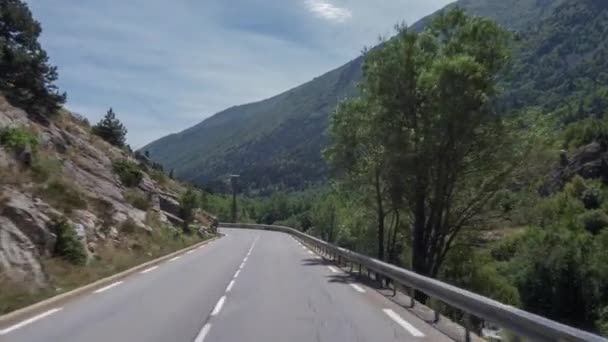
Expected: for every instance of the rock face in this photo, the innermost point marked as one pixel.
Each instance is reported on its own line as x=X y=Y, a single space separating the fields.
x=68 y=153
x=589 y=161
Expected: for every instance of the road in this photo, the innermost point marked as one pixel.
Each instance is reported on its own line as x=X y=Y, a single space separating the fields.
x=247 y=286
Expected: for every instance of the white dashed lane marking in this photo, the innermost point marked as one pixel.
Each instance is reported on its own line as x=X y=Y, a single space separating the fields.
x=357 y=288
x=403 y=323
x=203 y=333
x=106 y=288
x=149 y=269
x=29 y=321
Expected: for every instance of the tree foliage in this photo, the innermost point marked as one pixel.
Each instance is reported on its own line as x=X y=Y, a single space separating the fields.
x=111 y=129
x=423 y=130
x=26 y=77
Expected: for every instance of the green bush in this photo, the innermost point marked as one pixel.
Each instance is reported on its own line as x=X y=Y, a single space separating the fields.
x=586 y=131
x=594 y=220
x=67 y=245
x=18 y=139
x=129 y=173
x=592 y=198
x=63 y=196
x=137 y=200
x=129 y=226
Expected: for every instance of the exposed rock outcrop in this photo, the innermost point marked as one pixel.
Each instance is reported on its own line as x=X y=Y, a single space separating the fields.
x=589 y=161
x=84 y=164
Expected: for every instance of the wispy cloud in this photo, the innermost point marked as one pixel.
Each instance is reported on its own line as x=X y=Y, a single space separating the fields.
x=329 y=11
x=165 y=66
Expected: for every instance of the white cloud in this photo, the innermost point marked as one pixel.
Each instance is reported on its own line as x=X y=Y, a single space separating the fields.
x=326 y=10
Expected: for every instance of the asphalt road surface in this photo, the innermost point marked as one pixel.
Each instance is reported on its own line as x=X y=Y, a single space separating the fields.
x=247 y=286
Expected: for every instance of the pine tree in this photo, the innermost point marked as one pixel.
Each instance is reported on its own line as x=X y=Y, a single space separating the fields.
x=111 y=129
x=26 y=77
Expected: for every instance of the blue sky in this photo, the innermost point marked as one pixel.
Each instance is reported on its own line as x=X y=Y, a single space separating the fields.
x=165 y=65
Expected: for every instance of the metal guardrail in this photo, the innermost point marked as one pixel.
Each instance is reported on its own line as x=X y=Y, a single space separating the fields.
x=518 y=321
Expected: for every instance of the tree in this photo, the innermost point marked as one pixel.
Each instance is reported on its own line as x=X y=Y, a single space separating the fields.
x=26 y=77
x=424 y=132
x=111 y=129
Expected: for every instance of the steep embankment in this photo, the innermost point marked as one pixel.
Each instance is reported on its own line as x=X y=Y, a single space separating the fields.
x=66 y=215
x=278 y=142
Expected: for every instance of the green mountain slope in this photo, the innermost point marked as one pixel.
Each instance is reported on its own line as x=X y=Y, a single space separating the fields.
x=278 y=142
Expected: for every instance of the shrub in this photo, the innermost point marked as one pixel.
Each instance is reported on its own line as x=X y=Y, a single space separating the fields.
x=128 y=226
x=18 y=139
x=586 y=131
x=128 y=172
x=67 y=245
x=137 y=200
x=63 y=196
x=594 y=220
x=591 y=198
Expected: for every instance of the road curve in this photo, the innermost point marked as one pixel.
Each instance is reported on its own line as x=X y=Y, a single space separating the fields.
x=247 y=286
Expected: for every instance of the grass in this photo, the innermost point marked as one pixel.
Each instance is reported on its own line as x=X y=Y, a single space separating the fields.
x=62 y=196
x=136 y=248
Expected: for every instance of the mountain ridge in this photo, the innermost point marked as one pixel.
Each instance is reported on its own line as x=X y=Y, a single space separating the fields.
x=277 y=142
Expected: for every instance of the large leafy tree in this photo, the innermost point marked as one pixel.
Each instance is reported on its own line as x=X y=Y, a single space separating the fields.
x=27 y=78
x=111 y=129
x=423 y=131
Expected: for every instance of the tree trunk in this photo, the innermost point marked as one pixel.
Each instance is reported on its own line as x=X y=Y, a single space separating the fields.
x=419 y=248
x=380 y=216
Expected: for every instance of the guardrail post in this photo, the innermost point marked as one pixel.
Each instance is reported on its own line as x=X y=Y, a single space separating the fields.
x=436 y=318
x=412 y=299
x=394 y=289
x=359 y=269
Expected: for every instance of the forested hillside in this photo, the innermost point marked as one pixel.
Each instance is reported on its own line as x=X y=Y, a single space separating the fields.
x=277 y=143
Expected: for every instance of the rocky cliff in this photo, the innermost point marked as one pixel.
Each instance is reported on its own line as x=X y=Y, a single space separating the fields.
x=71 y=174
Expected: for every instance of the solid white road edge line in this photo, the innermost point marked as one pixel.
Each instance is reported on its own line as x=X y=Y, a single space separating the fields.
x=149 y=269
x=190 y=251
x=177 y=257
x=229 y=288
x=236 y=275
x=106 y=288
x=403 y=323
x=29 y=321
x=357 y=288
x=333 y=269
x=218 y=306
x=203 y=333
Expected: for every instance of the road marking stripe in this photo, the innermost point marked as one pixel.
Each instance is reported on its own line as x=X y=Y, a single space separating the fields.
x=104 y=289
x=149 y=270
x=333 y=269
x=357 y=288
x=218 y=306
x=177 y=257
x=29 y=321
x=245 y=260
x=190 y=251
x=311 y=253
x=203 y=333
x=236 y=275
x=403 y=323
x=229 y=288
x=242 y=265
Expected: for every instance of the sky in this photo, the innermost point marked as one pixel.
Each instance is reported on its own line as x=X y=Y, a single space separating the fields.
x=166 y=65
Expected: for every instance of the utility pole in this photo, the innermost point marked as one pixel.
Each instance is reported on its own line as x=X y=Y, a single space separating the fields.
x=234 y=182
